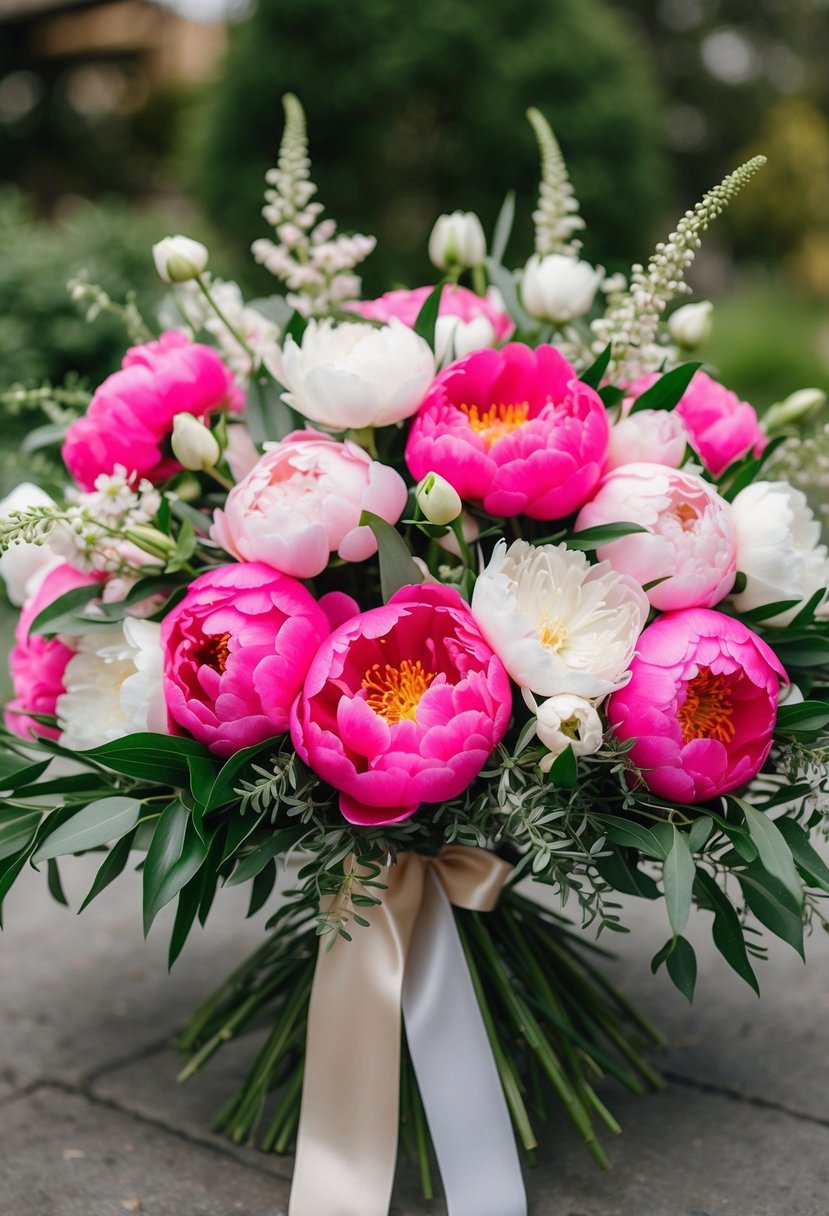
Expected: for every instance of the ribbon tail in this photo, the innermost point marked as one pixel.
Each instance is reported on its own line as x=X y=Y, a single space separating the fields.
x=456 y=1072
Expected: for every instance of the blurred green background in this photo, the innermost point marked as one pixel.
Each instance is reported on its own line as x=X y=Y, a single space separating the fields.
x=124 y=120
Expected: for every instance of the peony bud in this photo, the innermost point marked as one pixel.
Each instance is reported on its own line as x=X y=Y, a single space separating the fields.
x=178 y=259
x=797 y=407
x=557 y=288
x=566 y=720
x=194 y=445
x=151 y=540
x=690 y=326
x=439 y=502
x=457 y=241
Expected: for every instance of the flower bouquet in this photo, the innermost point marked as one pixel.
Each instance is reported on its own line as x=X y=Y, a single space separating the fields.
x=414 y=599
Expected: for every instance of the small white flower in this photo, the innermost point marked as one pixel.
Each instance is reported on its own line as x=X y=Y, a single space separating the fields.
x=355 y=375
x=439 y=502
x=24 y=566
x=557 y=623
x=178 y=258
x=557 y=288
x=566 y=721
x=113 y=687
x=457 y=241
x=194 y=444
x=690 y=325
x=778 y=549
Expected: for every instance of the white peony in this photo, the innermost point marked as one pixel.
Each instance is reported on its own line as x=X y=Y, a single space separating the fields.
x=354 y=375
x=778 y=549
x=557 y=288
x=457 y=240
x=557 y=623
x=566 y=721
x=455 y=338
x=114 y=687
x=23 y=566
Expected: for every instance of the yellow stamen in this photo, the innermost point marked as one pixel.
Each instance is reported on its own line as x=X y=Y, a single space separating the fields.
x=707 y=712
x=553 y=634
x=496 y=422
x=687 y=515
x=215 y=652
x=395 y=692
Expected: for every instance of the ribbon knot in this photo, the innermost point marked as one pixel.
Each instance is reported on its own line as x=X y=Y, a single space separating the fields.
x=410 y=960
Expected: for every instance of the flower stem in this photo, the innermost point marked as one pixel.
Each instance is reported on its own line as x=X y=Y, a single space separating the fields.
x=232 y=330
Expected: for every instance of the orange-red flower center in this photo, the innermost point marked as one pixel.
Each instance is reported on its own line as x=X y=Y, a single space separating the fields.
x=496 y=422
x=215 y=651
x=708 y=709
x=687 y=515
x=395 y=692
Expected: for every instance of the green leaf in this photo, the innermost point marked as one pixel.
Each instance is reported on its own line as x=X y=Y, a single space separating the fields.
x=602 y=534
x=90 y=827
x=738 y=836
x=594 y=373
x=668 y=389
x=261 y=888
x=55 y=615
x=9 y=870
x=699 y=832
x=806 y=615
x=775 y=854
x=189 y=898
x=14 y=775
x=682 y=967
x=809 y=862
x=54 y=883
x=812 y=651
x=630 y=880
x=112 y=865
x=158 y=758
x=504 y=280
x=727 y=930
x=503 y=227
x=251 y=864
x=396 y=566
x=17 y=827
x=743 y=472
x=805 y=716
x=764 y=611
x=295 y=327
x=678 y=872
x=239 y=828
x=633 y=835
x=427 y=318
x=175 y=854
x=564 y=771
x=229 y=776
x=267 y=416
x=773 y=905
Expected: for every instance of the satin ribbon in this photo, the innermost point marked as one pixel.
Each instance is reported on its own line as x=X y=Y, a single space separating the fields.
x=412 y=959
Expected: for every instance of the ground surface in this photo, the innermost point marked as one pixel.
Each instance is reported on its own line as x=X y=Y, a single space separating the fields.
x=92 y=1122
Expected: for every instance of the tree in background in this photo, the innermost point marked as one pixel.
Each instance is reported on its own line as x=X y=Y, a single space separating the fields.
x=420 y=109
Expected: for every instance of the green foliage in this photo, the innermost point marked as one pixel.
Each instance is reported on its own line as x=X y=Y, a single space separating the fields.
x=427 y=114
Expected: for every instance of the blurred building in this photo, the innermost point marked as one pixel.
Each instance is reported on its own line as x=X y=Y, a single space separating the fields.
x=90 y=91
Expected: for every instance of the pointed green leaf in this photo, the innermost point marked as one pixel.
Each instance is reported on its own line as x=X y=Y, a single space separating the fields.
x=773 y=905
x=594 y=373
x=678 y=872
x=175 y=854
x=668 y=389
x=503 y=227
x=806 y=858
x=682 y=967
x=727 y=930
x=602 y=534
x=17 y=827
x=91 y=826
x=396 y=566
x=633 y=835
x=775 y=854
x=112 y=865
x=427 y=318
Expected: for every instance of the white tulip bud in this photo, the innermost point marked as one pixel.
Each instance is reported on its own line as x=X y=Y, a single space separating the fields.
x=178 y=259
x=439 y=502
x=566 y=720
x=457 y=241
x=690 y=326
x=796 y=408
x=557 y=288
x=194 y=445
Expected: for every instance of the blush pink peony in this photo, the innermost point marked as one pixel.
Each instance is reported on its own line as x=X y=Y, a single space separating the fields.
x=652 y=436
x=236 y=650
x=465 y=322
x=701 y=704
x=402 y=705
x=690 y=543
x=130 y=418
x=721 y=427
x=302 y=502
x=37 y=664
x=514 y=430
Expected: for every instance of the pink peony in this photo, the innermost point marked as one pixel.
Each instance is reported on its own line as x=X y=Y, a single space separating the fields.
x=402 y=705
x=302 y=502
x=701 y=705
x=721 y=427
x=37 y=663
x=513 y=429
x=651 y=436
x=236 y=650
x=130 y=418
x=691 y=539
x=466 y=321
